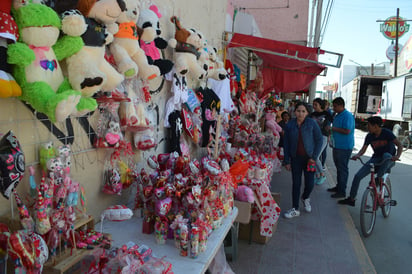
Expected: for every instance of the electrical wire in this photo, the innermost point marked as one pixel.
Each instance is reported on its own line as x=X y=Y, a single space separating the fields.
x=325 y=23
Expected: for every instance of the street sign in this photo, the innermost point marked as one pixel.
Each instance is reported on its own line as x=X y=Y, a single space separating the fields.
x=388 y=27
x=390 y=51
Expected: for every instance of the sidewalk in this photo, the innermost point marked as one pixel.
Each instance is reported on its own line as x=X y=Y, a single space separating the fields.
x=323 y=241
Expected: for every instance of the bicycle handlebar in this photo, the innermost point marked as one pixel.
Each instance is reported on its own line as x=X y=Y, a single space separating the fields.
x=374 y=164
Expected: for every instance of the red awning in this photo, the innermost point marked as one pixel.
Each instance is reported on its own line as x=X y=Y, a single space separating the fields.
x=286 y=67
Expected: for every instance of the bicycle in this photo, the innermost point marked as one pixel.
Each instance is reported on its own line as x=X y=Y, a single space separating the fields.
x=376 y=194
x=406 y=140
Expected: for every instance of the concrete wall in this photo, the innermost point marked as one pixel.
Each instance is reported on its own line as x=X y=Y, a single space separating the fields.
x=87 y=167
x=284 y=20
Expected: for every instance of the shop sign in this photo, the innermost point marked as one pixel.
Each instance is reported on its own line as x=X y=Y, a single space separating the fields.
x=408 y=54
x=333 y=87
x=388 y=28
x=390 y=51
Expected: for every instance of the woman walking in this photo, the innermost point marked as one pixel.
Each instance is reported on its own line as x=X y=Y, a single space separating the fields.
x=324 y=120
x=302 y=145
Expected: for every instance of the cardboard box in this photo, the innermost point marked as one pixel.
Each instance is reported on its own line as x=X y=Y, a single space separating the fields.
x=276 y=197
x=244 y=212
x=244 y=232
x=244 y=229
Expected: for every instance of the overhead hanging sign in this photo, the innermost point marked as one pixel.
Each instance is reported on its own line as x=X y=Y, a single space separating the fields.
x=391 y=51
x=388 y=28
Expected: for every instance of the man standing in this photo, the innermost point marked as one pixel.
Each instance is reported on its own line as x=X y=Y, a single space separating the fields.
x=343 y=141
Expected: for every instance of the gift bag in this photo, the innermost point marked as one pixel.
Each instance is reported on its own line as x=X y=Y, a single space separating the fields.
x=108 y=130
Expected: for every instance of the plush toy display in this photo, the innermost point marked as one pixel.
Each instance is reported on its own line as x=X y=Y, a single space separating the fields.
x=46 y=152
x=271 y=124
x=244 y=193
x=150 y=40
x=36 y=58
x=215 y=68
x=8 y=33
x=186 y=51
x=88 y=70
x=129 y=57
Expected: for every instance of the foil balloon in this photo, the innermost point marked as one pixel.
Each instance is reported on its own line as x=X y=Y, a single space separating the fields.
x=152 y=162
x=21 y=250
x=163 y=206
x=41 y=250
x=12 y=163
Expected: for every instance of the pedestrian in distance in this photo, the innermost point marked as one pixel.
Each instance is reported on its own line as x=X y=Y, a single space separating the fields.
x=383 y=143
x=324 y=120
x=324 y=153
x=280 y=110
x=291 y=109
x=342 y=141
x=282 y=124
x=302 y=145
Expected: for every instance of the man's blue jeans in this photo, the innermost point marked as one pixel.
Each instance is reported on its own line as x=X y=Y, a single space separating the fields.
x=341 y=159
x=299 y=165
x=366 y=170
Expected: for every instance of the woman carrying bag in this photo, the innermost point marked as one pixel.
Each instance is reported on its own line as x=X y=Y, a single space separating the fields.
x=302 y=145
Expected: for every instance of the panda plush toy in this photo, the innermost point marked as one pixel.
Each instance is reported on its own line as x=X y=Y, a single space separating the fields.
x=150 y=40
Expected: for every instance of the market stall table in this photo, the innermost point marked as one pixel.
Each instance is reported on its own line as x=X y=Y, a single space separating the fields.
x=130 y=230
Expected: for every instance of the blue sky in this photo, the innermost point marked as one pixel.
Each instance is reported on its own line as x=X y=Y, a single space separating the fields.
x=354 y=32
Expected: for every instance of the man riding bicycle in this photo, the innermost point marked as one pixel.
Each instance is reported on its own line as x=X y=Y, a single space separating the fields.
x=383 y=143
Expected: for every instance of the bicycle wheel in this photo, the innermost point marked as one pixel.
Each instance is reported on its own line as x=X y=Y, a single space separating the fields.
x=367 y=213
x=406 y=142
x=386 y=193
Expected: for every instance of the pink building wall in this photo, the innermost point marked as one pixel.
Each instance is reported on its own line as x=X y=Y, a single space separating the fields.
x=283 y=20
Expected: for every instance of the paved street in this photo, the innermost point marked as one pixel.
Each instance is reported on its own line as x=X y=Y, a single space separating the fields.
x=390 y=245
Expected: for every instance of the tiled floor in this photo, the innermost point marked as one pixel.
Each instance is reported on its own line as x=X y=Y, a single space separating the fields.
x=323 y=241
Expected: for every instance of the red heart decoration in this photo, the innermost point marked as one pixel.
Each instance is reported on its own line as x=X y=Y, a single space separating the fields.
x=13 y=176
x=267 y=203
x=10 y=159
x=266 y=229
x=10 y=167
x=264 y=210
x=265 y=195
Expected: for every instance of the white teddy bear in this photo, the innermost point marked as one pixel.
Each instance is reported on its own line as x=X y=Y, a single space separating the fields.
x=129 y=57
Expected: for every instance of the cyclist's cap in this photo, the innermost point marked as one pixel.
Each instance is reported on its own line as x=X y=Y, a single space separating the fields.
x=375 y=120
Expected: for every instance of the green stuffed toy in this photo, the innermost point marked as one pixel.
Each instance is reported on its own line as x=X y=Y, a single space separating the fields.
x=36 y=58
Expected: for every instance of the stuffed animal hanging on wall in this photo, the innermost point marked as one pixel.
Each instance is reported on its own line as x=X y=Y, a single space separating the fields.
x=151 y=41
x=8 y=33
x=36 y=57
x=129 y=57
x=186 y=51
x=215 y=68
x=88 y=70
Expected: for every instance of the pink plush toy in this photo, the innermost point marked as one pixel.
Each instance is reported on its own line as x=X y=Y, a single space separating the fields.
x=271 y=124
x=245 y=194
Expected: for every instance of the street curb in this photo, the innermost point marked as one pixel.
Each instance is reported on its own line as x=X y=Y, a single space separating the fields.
x=361 y=253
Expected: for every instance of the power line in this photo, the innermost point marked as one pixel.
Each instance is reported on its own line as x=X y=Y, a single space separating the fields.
x=329 y=9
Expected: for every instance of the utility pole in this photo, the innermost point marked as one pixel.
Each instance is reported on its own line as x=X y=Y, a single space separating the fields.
x=316 y=41
x=397 y=21
x=396 y=43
